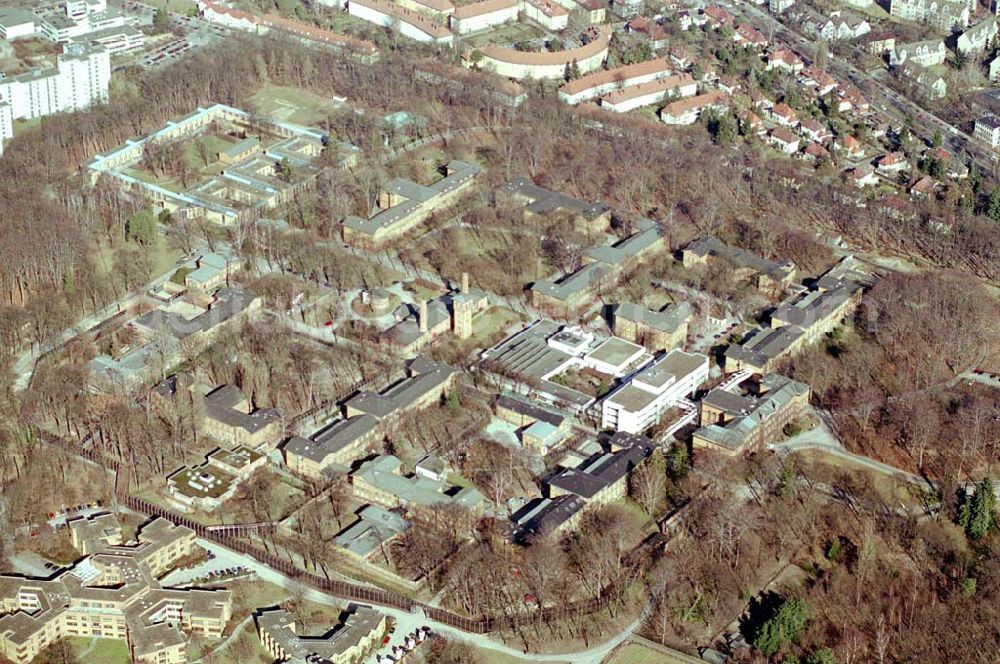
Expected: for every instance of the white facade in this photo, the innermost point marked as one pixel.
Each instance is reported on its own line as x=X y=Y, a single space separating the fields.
x=409 y=24
x=81 y=77
x=518 y=65
x=638 y=404
x=942 y=14
x=6 y=123
x=634 y=97
x=16 y=23
x=925 y=54
x=988 y=129
x=546 y=12
x=483 y=16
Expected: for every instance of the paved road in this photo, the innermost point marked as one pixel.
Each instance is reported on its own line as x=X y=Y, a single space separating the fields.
x=835 y=449
x=407 y=621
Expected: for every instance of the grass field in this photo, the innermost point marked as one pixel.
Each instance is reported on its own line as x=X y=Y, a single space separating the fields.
x=635 y=653
x=162 y=256
x=292 y=104
x=180 y=6
x=105 y=651
x=507 y=34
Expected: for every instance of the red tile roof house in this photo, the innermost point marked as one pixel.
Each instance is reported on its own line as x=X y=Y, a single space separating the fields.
x=822 y=82
x=649 y=29
x=893 y=162
x=814 y=130
x=718 y=17
x=896 y=207
x=752 y=121
x=785 y=140
x=784 y=59
x=784 y=114
x=954 y=168
x=680 y=56
x=862 y=176
x=851 y=146
x=749 y=37
x=816 y=152
x=729 y=84
x=925 y=187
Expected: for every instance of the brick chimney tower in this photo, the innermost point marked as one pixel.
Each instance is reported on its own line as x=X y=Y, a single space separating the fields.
x=465 y=283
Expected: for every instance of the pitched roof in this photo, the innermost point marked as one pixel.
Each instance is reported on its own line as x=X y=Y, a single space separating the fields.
x=527 y=58
x=483 y=7
x=605 y=76
x=642 y=89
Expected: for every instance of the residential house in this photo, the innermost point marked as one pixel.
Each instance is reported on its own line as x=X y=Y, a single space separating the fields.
x=784 y=59
x=779 y=6
x=978 y=37
x=687 y=111
x=923 y=53
x=815 y=130
x=748 y=36
x=877 y=43
x=851 y=146
x=652 y=31
x=784 y=140
x=718 y=17
x=861 y=176
x=784 y=115
x=945 y=15
x=894 y=162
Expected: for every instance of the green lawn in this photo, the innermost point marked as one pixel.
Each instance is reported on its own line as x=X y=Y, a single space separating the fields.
x=105 y=651
x=292 y=104
x=635 y=653
x=162 y=256
x=179 y=6
x=507 y=34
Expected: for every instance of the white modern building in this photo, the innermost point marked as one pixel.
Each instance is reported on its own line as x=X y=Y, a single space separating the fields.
x=639 y=403
x=80 y=78
x=16 y=23
x=6 y=124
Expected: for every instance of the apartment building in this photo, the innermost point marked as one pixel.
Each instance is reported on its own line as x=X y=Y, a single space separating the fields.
x=639 y=403
x=347 y=643
x=80 y=78
x=734 y=422
x=945 y=15
x=113 y=592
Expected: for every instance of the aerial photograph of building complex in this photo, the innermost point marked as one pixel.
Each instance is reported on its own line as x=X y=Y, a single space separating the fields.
x=499 y=332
